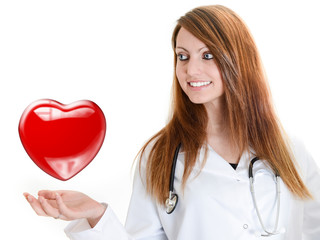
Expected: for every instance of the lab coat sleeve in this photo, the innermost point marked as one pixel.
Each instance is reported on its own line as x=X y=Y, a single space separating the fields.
x=142 y=220
x=107 y=228
x=311 y=220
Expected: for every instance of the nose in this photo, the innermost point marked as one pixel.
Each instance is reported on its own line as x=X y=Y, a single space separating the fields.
x=193 y=67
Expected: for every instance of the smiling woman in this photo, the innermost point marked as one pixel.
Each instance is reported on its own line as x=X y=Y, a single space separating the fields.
x=232 y=114
x=223 y=120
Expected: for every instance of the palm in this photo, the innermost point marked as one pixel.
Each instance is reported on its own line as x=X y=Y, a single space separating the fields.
x=74 y=201
x=67 y=205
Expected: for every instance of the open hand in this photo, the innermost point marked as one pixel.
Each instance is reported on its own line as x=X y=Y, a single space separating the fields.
x=66 y=205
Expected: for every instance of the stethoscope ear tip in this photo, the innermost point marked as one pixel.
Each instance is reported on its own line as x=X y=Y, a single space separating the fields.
x=171 y=203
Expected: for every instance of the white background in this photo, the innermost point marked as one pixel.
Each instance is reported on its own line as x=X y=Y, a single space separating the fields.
x=118 y=54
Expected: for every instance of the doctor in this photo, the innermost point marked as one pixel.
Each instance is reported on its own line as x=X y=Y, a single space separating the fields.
x=222 y=119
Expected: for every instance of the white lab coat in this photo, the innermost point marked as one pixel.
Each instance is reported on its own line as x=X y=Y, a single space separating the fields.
x=216 y=204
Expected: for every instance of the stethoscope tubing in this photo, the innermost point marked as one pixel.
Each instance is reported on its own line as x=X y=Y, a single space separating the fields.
x=173 y=197
x=252 y=189
x=173 y=168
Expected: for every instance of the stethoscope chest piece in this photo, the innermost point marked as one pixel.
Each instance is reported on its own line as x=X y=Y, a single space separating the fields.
x=171 y=202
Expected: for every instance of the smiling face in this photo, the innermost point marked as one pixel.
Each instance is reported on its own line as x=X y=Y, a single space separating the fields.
x=196 y=70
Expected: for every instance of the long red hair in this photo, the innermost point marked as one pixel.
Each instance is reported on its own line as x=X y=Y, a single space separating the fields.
x=249 y=112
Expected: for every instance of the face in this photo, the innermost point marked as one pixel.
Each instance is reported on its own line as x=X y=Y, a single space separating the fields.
x=196 y=70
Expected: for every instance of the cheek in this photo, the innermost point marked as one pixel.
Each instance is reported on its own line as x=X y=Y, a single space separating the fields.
x=216 y=75
x=180 y=77
x=178 y=71
x=182 y=86
x=219 y=86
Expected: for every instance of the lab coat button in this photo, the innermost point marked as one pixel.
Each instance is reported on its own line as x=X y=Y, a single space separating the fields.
x=245 y=226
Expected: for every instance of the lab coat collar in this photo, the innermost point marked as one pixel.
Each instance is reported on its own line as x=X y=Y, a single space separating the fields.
x=218 y=165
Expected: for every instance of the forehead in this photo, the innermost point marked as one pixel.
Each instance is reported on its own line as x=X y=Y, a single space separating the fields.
x=186 y=39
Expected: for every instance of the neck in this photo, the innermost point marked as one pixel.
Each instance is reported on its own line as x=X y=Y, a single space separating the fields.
x=216 y=120
x=218 y=133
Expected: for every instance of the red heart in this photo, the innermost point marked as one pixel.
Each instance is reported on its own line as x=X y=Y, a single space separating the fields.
x=62 y=139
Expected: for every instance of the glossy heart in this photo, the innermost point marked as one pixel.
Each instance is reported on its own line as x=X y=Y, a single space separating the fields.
x=62 y=139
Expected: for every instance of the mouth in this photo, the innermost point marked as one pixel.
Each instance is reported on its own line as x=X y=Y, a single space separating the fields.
x=199 y=84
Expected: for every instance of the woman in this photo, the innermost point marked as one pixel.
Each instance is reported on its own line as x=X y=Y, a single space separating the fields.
x=222 y=117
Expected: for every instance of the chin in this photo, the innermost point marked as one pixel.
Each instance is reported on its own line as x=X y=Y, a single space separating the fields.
x=197 y=101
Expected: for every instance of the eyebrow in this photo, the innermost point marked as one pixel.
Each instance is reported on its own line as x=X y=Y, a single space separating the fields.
x=188 y=51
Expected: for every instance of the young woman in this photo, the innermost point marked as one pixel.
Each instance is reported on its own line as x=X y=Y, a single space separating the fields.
x=222 y=119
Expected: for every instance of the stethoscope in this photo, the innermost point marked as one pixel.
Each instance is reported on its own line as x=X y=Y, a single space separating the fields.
x=172 y=200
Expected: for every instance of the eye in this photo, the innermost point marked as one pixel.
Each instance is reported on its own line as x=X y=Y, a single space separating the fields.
x=208 y=56
x=182 y=57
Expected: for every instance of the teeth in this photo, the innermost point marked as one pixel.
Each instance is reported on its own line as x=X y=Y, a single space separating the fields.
x=199 y=84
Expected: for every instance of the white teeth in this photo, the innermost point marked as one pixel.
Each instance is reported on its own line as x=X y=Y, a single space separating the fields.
x=198 y=84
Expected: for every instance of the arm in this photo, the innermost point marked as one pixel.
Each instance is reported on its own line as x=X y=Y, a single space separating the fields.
x=142 y=220
x=310 y=172
x=311 y=223
x=95 y=221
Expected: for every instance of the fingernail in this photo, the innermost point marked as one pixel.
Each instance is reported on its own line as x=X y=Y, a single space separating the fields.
x=57 y=195
x=40 y=199
x=29 y=198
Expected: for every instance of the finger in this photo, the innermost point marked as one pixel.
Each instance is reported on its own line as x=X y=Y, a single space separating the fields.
x=47 y=194
x=26 y=195
x=66 y=213
x=35 y=204
x=47 y=208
